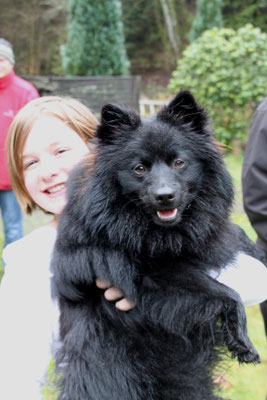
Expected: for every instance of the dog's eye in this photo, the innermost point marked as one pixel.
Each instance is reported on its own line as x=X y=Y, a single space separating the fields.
x=179 y=163
x=139 y=169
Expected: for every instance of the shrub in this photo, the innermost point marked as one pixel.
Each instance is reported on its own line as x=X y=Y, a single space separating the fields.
x=226 y=70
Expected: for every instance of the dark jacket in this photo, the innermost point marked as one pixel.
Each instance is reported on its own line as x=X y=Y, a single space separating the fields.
x=254 y=175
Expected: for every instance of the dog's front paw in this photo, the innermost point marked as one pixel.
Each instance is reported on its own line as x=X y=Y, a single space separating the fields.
x=244 y=350
x=247 y=355
x=236 y=337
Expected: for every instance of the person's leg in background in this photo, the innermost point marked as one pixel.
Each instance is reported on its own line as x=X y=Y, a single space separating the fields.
x=12 y=216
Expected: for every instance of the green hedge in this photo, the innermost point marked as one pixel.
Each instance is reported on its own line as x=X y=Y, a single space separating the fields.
x=227 y=72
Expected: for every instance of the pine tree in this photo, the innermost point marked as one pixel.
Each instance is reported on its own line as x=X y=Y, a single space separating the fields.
x=209 y=15
x=95 y=43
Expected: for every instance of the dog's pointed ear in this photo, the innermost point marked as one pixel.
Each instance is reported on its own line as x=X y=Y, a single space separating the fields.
x=116 y=121
x=184 y=109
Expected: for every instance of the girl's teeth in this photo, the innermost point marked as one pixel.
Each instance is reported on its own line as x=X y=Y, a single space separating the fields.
x=56 y=188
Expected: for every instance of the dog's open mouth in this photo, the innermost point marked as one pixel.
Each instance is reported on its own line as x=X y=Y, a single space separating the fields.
x=167 y=215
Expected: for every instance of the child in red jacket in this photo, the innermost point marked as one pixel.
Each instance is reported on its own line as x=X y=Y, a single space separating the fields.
x=14 y=94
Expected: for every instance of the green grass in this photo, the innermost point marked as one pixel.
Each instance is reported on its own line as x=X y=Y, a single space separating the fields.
x=246 y=382
x=49 y=391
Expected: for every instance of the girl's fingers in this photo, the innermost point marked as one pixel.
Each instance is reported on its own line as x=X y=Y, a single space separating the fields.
x=113 y=294
x=103 y=284
x=125 y=305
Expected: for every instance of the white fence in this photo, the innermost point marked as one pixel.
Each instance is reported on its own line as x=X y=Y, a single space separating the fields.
x=150 y=107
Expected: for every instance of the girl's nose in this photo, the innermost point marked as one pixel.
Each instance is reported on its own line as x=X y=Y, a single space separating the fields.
x=48 y=168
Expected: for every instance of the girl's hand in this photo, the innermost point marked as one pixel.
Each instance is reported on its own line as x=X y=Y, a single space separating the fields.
x=113 y=294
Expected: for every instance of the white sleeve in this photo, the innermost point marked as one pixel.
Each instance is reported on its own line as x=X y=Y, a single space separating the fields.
x=27 y=317
x=247 y=276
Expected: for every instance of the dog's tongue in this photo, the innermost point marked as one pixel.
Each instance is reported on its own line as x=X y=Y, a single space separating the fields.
x=167 y=214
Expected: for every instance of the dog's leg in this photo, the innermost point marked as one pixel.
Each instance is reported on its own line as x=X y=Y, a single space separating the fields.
x=235 y=333
x=197 y=299
x=234 y=321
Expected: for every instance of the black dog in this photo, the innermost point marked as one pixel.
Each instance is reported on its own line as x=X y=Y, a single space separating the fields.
x=151 y=216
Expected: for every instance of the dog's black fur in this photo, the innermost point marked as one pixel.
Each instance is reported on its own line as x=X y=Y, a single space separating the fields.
x=165 y=348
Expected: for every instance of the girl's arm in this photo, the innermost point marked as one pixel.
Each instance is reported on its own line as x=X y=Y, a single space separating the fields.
x=247 y=276
x=28 y=321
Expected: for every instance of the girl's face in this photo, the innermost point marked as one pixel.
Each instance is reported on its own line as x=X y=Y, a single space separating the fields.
x=50 y=152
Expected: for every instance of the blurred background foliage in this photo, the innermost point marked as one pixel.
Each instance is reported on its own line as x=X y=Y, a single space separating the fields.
x=208 y=15
x=161 y=40
x=106 y=54
x=38 y=28
x=227 y=72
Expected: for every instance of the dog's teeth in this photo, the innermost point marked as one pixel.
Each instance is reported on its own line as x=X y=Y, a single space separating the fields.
x=167 y=215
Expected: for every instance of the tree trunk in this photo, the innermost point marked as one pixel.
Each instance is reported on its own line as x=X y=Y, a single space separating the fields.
x=170 y=21
x=34 y=37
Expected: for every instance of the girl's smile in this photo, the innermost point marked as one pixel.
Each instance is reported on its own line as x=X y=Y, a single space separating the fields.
x=50 y=152
x=57 y=189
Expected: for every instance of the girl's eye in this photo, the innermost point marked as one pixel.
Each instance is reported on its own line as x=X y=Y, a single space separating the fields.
x=61 y=151
x=179 y=164
x=29 y=164
x=139 y=169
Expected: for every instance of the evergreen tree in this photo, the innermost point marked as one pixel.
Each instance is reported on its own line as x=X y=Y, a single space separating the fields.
x=95 y=43
x=241 y=12
x=209 y=15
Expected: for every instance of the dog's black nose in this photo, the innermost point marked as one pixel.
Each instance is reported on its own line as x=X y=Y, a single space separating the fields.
x=165 y=195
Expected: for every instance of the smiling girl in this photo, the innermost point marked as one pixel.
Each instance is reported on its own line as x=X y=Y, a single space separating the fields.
x=47 y=139
x=49 y=154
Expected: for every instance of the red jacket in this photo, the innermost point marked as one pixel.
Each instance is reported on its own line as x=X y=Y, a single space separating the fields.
x=14 y=94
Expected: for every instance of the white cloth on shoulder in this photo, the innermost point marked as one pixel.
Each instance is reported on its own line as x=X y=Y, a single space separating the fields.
x=247 y=276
